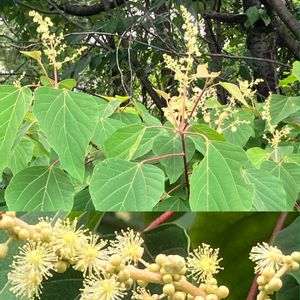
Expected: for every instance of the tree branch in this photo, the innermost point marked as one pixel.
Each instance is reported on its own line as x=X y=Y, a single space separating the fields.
x=286 y=16
x=83 y=10
x=35 y=8
x=285 y=39
x=225 y=17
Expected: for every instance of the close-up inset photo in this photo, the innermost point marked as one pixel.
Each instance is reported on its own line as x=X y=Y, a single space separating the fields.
x=150 y=256
x=149 y=105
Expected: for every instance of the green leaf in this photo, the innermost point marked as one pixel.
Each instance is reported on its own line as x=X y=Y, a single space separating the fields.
x=257 y=155
x=243 y=131
x=166 y=239
x=21 y=155
x=69 y=120
x=33 y=54
x=293 y=158
x=217 y=182
x=288 y=182
x=234 y=91
x=282 y=107
x=68 y=84
x=210 y=133
x=269 y=193
x=67 y=283
x=281 y=152
x=145 y=115
x=126 y=118
x=14 y=103
x=252 y=14
x=130 y=142
x=290 y=289
x=296 y=69
x=122 y=98
x=106 y=110
x=288 y=80
x=40 y=189
x=174 y=166
x=122 y=185
x=294 y=171
x=83 y=201
x=172 y=204
x=264 y=16
x=105 y=128
x=45 y=81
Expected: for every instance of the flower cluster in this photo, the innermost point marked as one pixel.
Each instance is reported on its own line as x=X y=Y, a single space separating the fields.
x=110 y=268
x=53 y=44
x=271 y=264
x=192 y=100
x=276 y=135
x=182 y=107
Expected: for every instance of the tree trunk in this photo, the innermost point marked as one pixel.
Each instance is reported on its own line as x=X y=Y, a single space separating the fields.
x=259 y=45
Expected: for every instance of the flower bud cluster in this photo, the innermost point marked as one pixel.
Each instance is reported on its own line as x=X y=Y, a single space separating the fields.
x=109 y=267
x=113 y=268
x=19 y=230
x=276 y=134
x=271 y=265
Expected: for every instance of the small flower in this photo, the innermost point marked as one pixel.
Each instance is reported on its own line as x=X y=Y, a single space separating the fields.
x=203 y=263
x=66 y=238
x=36 y=256
x=102 y=289
x=25 y=283
x=266 y=257
x=90 y=256
x=128 y=244
x=30 y=267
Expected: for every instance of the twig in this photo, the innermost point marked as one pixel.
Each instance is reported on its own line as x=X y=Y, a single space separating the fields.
x=159 y=220
x=169 y=192
x=36 y=8
x=230 y=56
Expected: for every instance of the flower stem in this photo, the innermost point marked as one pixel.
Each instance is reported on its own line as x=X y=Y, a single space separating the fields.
x=183 y=285
x=159 y=220
x=45 y=72
x=186 y=175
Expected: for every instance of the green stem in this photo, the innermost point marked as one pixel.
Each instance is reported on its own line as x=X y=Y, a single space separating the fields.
x=186 y=175
x=161 y=157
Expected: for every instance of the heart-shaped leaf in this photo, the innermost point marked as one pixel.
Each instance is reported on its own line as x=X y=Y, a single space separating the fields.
x=69 y=120
x=217 y=182
x=41 y=189
x=14 y=103
x=122 y=185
